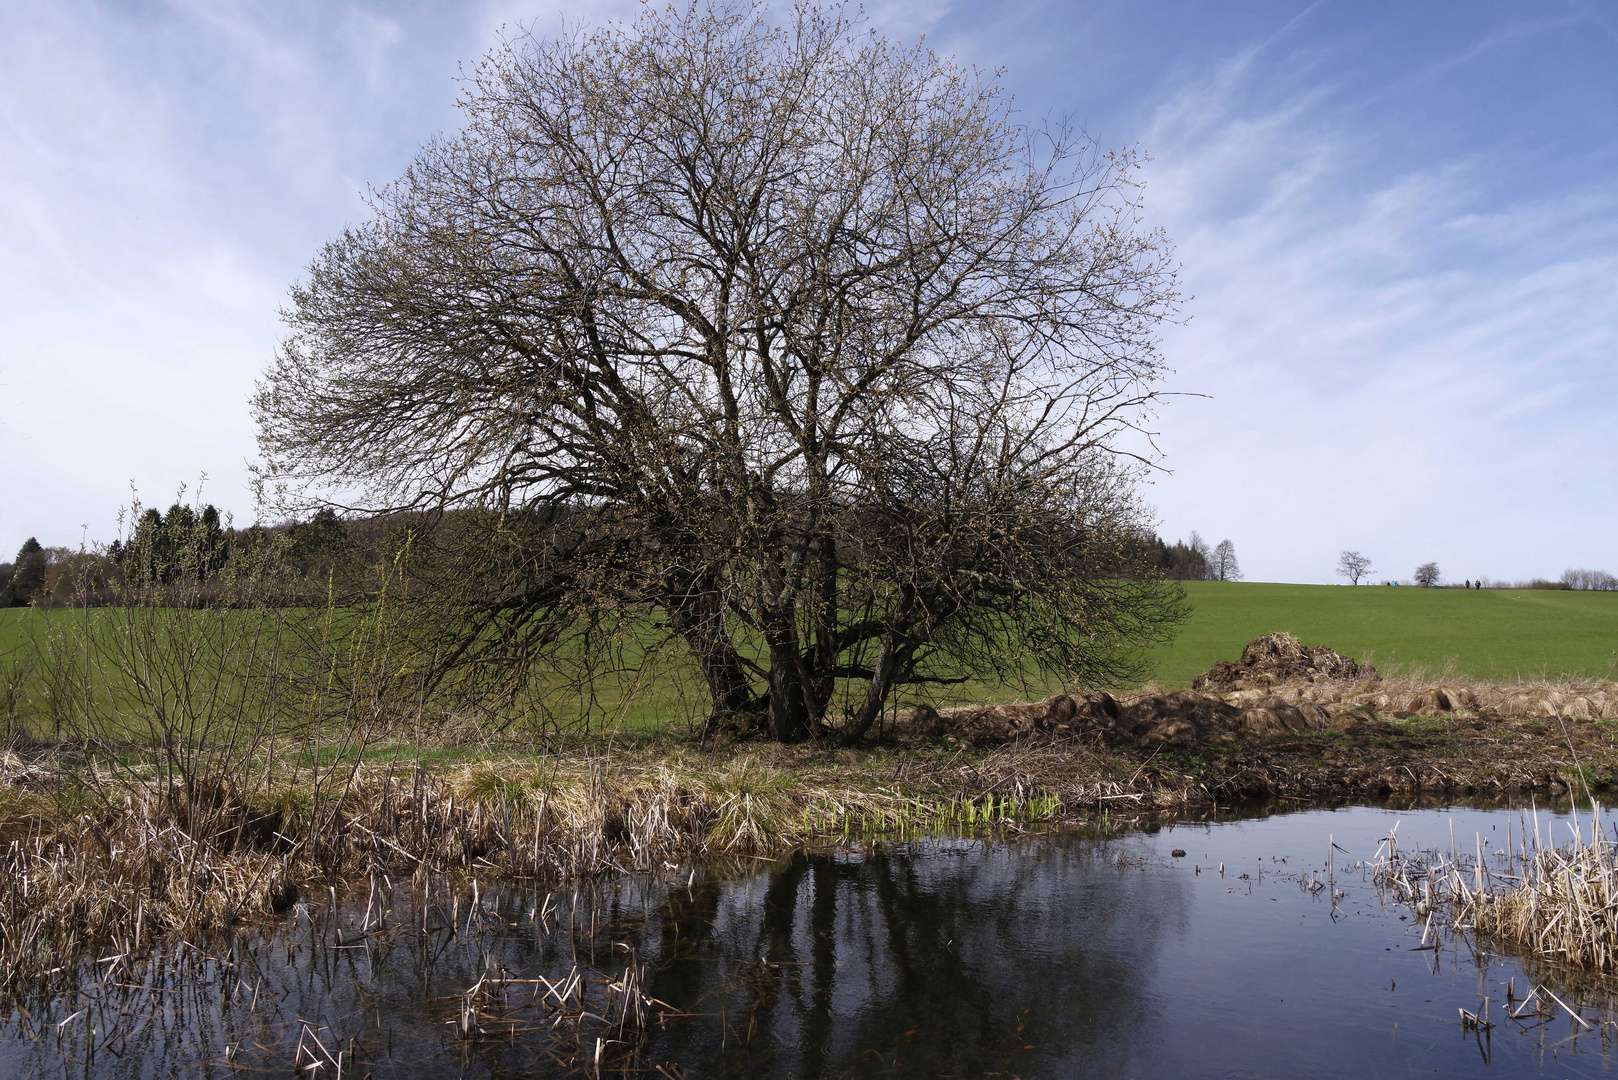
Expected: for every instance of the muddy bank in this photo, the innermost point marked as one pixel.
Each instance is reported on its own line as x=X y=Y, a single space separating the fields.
x=1457 y=754
x=1293 y=721
x=1279 y=687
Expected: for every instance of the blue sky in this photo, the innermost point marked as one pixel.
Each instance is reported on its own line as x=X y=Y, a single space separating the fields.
x=1399 y=223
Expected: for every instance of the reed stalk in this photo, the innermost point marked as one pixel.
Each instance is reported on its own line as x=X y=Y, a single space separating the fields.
x=1550 y=901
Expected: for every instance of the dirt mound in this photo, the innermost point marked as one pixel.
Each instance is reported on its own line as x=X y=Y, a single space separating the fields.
x=1280 y=658
x=991 y=725
x=1279 y=686
x=1184 y=718
x=1189 y=717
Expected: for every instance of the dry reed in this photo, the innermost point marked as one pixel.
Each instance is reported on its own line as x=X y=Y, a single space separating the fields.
x=149 y=858
x=1552 y=902
x=1420 y=693
x=251 y=993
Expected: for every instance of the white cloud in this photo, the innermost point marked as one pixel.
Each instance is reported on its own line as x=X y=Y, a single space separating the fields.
x=1414 y=358
x=1399 y=364
x=162 y=179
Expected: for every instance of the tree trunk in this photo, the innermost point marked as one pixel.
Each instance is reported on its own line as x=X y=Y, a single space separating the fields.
x=876 y=694
x=730 y=692
x=789 y=713
x=823 y=651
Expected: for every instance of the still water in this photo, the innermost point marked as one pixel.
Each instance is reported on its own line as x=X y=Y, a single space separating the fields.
x=1067 y=954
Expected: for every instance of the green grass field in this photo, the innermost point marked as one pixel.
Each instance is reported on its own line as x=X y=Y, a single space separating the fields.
x=1489 y=634
x=1492 y=635
x=636 y=688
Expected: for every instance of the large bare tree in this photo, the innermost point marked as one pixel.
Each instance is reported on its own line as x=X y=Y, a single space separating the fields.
x=793 y=341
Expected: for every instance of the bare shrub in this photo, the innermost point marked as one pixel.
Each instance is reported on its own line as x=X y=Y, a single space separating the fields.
x=1598 y=580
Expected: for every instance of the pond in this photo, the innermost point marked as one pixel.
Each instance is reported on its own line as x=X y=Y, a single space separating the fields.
x=1067 y=954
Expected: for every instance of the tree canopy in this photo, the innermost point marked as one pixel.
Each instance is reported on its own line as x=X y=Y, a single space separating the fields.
x=1223 y=566
x=789 y=335
x=27 y=574
x=1353 y=566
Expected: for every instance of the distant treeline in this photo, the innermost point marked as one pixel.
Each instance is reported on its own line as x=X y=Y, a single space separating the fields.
x=1179 y=561
x=1570 y=581
x=1193 y=559
x=189 y=547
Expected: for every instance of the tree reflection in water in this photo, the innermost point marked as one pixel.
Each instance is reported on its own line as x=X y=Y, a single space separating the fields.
x=1061 y=955
x=948 y=958
x=960 y=959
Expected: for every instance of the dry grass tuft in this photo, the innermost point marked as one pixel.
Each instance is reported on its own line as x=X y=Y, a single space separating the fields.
x=1553 y=902
x=1421 y=695
x=145 y=859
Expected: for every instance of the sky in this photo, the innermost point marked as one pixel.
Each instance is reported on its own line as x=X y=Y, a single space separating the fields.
x=1398 y=224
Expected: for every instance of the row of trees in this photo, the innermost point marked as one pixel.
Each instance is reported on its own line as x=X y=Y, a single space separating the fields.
x=189 y=544
x=1353 y=566
x=185 y=546
x=40 y=572
x=1598 y=580
x=1194 y=560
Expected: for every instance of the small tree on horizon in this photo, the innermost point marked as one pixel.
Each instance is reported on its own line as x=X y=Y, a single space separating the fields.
x=28 y=574
x=1427 y=575
x=1224 y=566
x=1353 y=566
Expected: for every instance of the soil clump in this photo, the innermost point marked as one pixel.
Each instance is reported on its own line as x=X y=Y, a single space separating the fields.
x=1281 y=658
x=1279 y=687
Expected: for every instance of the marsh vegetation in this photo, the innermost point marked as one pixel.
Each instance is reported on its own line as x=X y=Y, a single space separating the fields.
x=1225 y=942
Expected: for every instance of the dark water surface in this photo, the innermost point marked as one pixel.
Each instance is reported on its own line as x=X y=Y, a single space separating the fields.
x=1060 y=955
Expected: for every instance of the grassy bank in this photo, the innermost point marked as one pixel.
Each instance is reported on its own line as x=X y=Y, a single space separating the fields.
x=103 y=851
x=1495 y=635
x=171 y=770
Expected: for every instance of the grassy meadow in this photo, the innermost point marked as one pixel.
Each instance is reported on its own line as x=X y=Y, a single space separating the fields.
x=1491 y=635
x=102 y=649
